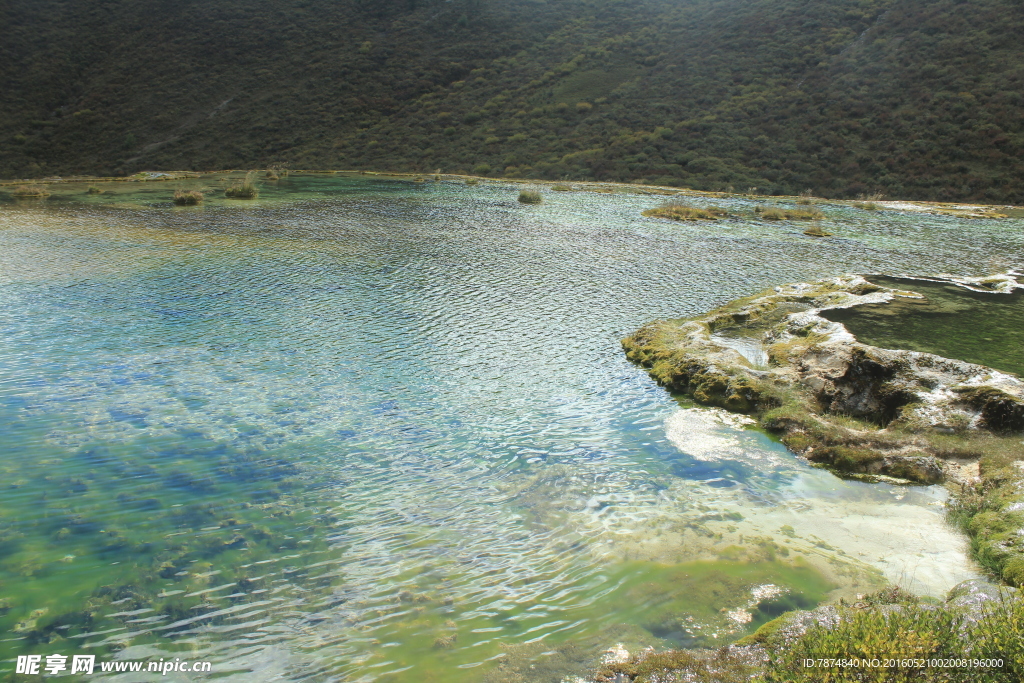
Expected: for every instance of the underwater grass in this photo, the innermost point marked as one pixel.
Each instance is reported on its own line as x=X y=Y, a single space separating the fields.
x=696 y=666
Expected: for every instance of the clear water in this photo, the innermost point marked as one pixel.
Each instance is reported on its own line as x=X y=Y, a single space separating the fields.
x=313 y=436
x=951 y=321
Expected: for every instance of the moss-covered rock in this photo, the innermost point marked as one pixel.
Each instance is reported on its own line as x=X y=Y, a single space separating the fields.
x=861 y=411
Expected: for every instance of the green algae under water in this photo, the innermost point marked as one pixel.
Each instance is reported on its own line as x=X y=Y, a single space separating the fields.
x=315 y=435
x=950 y=321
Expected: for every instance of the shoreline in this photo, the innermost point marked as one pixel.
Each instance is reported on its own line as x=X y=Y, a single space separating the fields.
x=959 y=209
x=860 y=411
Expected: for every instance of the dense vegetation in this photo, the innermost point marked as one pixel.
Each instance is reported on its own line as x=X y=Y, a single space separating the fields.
x=910 y=98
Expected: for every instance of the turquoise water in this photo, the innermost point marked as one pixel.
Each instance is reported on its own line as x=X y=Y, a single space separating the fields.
x=950 y=321
x=316 y=435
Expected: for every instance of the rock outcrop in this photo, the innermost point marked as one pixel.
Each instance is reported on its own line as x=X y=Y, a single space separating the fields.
x=856 y=408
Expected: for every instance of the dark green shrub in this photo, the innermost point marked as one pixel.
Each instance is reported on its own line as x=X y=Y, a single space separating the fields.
x=816 y=231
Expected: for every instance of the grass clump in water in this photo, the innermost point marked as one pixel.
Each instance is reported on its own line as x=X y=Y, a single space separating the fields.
x=867 y=206
x=683 y=212
x=245 y=189
x=94 y=190
x=188 y=197
x=772 y=213
x=561 y=188
x=276 y=173
x=30 y=191
x=817 y=231
x=529 y=197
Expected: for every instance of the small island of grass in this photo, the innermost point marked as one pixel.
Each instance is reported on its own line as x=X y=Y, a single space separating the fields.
x=774 y=213
x=188 y=197
x=30 y=191
x=683 y=212
x=245 y=189
x=529 y=197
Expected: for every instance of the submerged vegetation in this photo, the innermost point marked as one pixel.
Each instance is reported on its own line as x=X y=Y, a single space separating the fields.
x=683 y=212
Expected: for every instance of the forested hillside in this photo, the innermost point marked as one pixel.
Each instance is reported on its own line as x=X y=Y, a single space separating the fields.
x=910 y=98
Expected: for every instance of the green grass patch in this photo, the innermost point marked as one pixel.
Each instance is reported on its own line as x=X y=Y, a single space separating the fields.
x=774 y=213
x=28 y=191
x=529 y=197
x=245 y=189
x=817 y=231
x=188 y=197
x=912 y=632
x=683 y=212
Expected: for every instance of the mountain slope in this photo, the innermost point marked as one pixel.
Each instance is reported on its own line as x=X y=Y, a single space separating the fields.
x=910 y=98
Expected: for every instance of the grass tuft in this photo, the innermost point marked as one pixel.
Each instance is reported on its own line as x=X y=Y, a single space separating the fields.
x=245 y=189
x=94 y=190
x=561 y=188
x=188 y=197
x=683 y=212
x=817 y=231
x=529 y=197
x=772 y=213
x=30 y=191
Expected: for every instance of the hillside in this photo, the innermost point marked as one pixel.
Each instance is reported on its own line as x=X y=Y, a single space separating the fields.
x=910 y=98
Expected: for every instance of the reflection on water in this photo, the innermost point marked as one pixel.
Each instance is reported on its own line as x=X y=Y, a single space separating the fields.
x=370 y=430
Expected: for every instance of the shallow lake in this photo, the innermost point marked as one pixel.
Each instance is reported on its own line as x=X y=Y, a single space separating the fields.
x=950 y=321
x=364 y=429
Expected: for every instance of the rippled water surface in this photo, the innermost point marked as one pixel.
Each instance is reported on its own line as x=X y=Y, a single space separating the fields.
x=366 y=429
